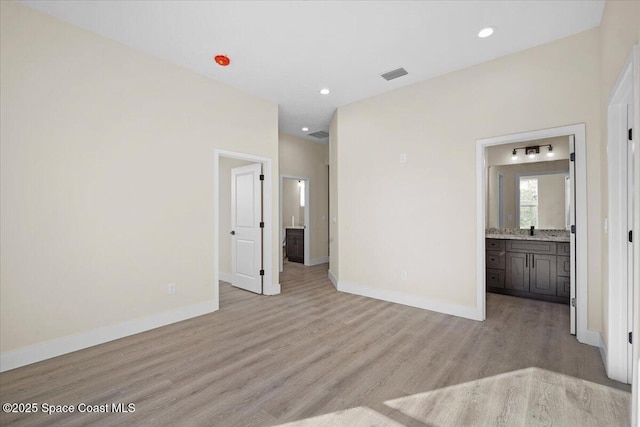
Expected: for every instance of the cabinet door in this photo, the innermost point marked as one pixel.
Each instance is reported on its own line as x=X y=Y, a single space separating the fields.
x=564 y=286
x=543 y=274
x=517 y=271
x=564 y=266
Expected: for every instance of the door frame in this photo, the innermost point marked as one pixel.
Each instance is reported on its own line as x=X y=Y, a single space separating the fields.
x=583 y=334
x=307 y=242
x=270 y=286
x=620 y=316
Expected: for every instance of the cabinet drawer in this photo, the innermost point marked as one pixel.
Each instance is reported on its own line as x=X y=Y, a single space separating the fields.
x=494 y=244
x=495 y=278
x=495 y=259
x=564 y=266
x=295 y=232
x=564 y=287
x=564 y=249
x=531 y=247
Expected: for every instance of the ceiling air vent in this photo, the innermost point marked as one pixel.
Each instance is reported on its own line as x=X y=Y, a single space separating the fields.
x=319 y=134
x=394 y=74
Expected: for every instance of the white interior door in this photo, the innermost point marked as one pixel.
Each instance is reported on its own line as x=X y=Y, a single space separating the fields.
x=572 y=235
x=246 y=234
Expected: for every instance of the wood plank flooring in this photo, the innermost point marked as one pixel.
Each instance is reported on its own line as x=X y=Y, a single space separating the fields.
x=312 y=352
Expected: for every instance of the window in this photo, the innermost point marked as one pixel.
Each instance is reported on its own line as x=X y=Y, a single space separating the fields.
x=528 y=202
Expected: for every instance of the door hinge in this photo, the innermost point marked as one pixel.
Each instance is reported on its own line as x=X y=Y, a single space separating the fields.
x=261 y=177
x=573 y=302
x=262 y=272
x=573 y=229
x=261 y=224
x=572 y=157
x=631 y=134
x=631 y=236
x=630 y=337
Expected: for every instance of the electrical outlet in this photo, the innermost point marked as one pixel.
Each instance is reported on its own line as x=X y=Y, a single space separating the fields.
x=403 y=275
x=403 y=158
x=171 y=289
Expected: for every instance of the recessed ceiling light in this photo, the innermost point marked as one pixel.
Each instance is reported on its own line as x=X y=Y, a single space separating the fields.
x=305 y=129
x=486 y=32
x=325 y=91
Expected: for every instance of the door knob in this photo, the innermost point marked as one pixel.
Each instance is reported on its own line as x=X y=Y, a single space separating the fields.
x=233 y=233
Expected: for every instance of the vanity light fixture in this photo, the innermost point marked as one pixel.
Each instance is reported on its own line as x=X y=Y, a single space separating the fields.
x=532 y=151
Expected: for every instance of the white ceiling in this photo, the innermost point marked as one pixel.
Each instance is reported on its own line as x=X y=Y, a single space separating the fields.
x=286 y=51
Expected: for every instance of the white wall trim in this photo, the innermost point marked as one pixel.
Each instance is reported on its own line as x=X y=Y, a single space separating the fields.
x=48 y=349
x=269 y=285
x=407 y=299
x=582 y=278
x=333 y=279
x=603 y=348
x=225 y=277
x=619 y=310
x=274 y=289
x=319 y=261
x=591 y=337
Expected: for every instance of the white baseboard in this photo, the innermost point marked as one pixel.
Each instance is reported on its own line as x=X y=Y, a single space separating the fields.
x=410 y=300
x=590 y=337
x=225 y=277
x=318 y=261
x=333 y=279
x=57 y=347
x=603 y=349
x=274 y=290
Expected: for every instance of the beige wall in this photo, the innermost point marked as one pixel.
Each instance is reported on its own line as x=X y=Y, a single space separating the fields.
x=107 y=179
x=302 y=158
x=619 y=32
x=552 y=194
x=420 y=215
x=224 y=205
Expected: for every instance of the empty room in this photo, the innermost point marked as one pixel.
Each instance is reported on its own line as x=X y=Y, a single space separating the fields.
x=319 y=213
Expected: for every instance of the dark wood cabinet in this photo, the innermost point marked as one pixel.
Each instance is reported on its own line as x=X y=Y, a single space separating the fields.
x=517 y=271
x=295 y=244
x=528 y=268
x=542 y=274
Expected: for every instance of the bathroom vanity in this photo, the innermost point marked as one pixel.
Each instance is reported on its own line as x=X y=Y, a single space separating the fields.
x=537 y=267
x=295 y=244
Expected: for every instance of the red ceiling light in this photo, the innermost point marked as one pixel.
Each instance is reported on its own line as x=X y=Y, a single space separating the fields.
x=222 y=60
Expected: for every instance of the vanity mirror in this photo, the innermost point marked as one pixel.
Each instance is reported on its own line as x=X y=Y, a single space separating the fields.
x=528 y=185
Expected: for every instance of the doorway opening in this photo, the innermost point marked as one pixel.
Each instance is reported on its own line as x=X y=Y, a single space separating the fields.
x=243 y=224
x=295 y=236
x=578 y=297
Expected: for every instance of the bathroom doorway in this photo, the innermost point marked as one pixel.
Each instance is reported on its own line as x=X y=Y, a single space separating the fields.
x=578 y=258
x=295 y=239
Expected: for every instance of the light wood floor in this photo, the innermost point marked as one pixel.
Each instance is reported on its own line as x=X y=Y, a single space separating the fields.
x=312 y=352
